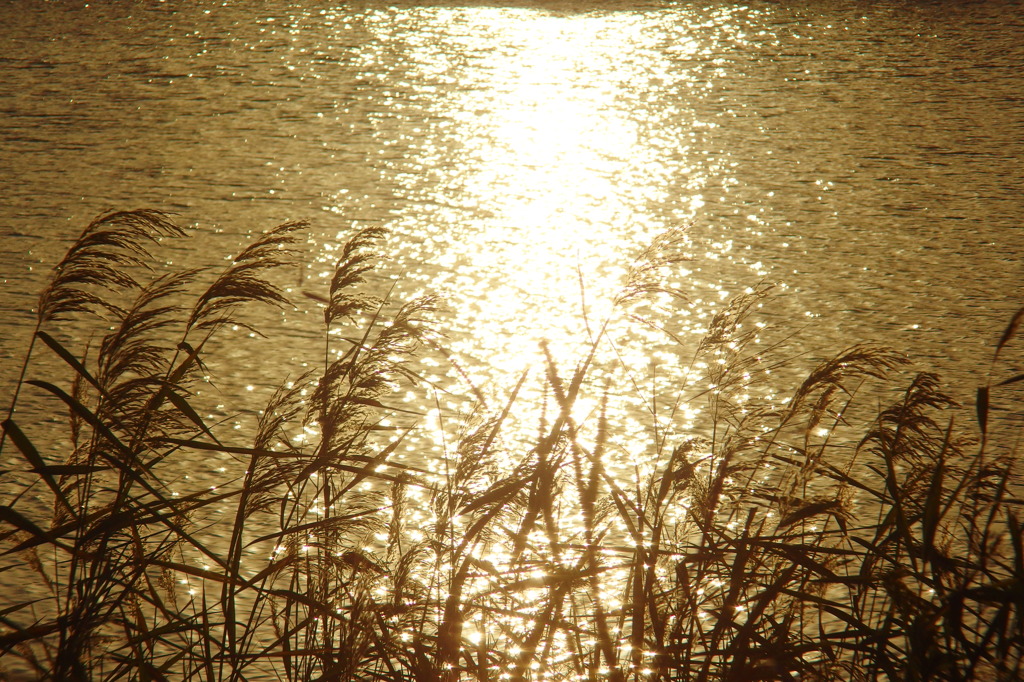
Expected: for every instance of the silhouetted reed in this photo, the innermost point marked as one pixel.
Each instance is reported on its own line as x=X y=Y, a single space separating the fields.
x=777 y=538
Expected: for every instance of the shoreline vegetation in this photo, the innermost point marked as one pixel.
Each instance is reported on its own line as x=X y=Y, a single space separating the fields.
x=763 y=548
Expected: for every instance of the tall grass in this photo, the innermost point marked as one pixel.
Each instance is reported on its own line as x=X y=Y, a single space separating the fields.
x=781 y=539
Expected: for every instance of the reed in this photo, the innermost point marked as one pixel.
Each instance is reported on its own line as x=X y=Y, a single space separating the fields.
x=798 y=538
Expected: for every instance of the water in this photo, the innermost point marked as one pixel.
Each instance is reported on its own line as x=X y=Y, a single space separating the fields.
x=867 y=157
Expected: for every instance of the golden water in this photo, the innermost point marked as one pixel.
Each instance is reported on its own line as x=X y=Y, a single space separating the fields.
x=868 y=159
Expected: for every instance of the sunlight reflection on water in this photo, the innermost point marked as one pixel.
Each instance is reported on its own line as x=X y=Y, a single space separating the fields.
x=522 y=156
x=552 y=174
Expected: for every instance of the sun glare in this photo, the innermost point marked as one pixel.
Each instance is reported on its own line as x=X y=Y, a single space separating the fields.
x=551 y=195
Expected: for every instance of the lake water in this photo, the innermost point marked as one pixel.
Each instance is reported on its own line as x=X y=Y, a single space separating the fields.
x=866 y=157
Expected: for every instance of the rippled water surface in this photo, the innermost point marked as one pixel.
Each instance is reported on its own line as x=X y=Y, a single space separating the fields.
x=867 y=156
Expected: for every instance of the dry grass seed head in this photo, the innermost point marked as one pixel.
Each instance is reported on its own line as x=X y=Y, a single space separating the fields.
x=349 y=272
x=853 y=364
x=281 y=412
x=102 y=258
x=134 y=358
x=474 y=468
x=907 y=430
x=646 y=275
x=245 y=280
x=725 y=327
